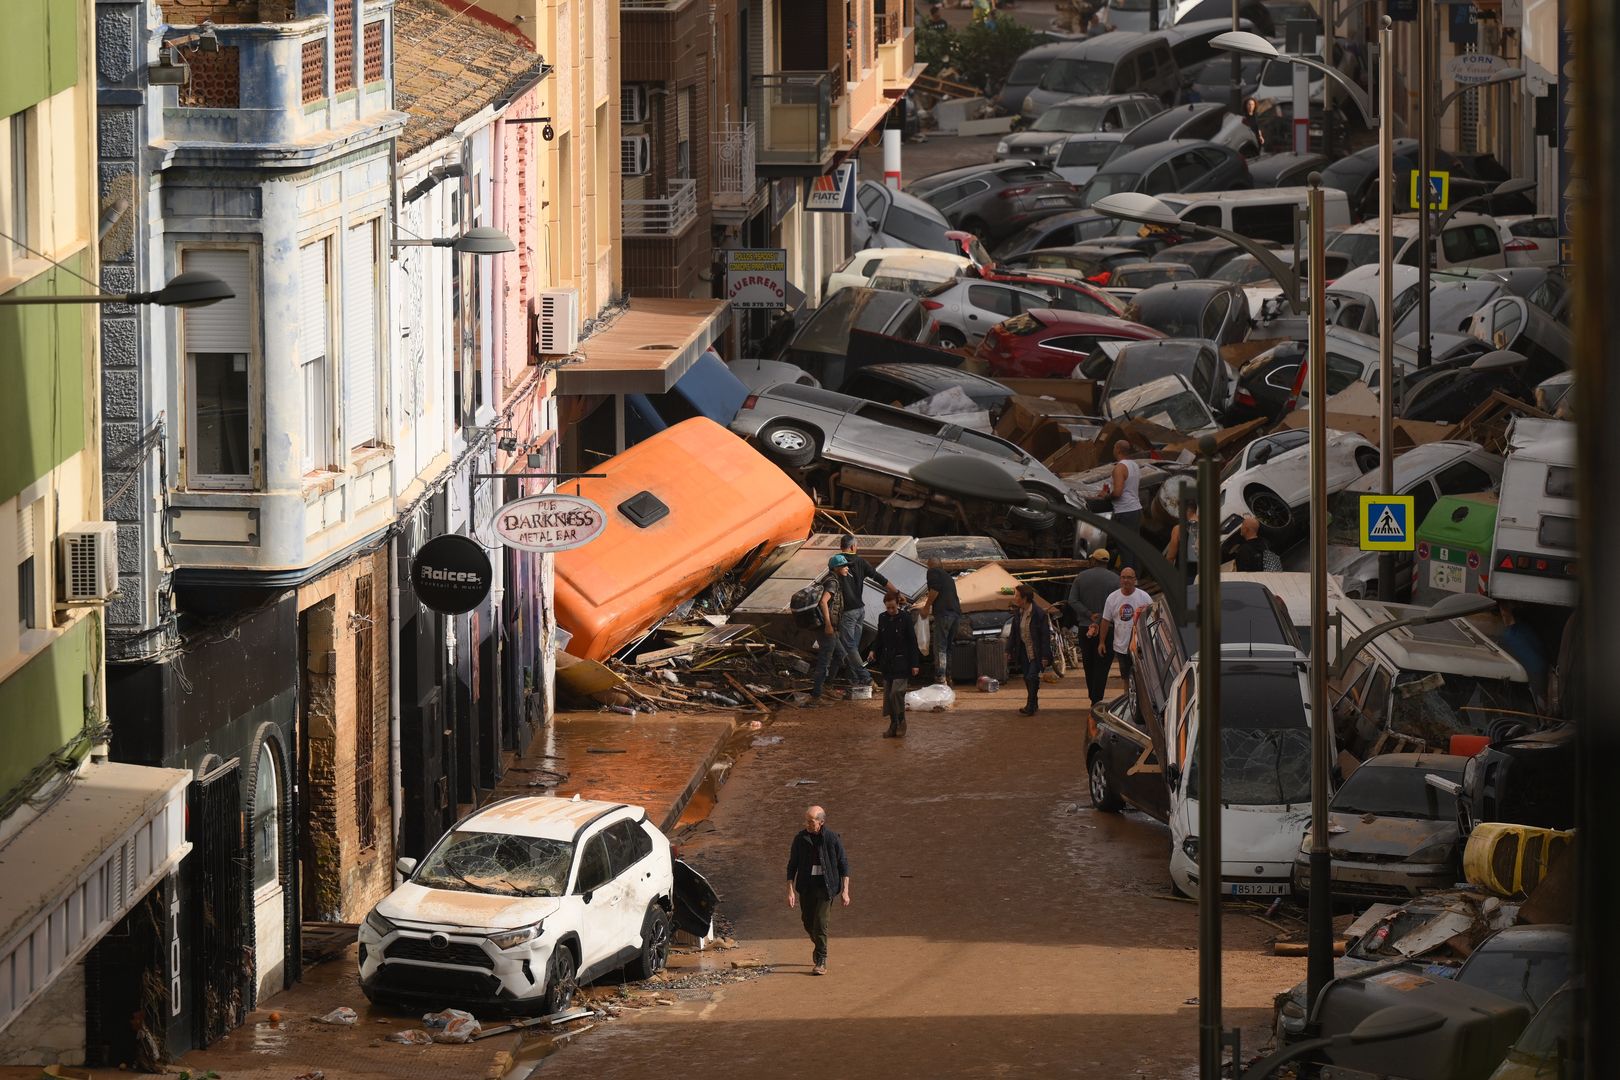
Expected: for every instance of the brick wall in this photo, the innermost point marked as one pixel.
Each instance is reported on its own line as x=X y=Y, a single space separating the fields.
x=223 y=12
x=349 y=875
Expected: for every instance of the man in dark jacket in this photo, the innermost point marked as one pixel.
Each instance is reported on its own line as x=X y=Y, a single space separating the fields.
x=1087 y=595
x=1031 y=644
x=898 y=657
x=943 y=609
x=817 y=870
x=1247 y=548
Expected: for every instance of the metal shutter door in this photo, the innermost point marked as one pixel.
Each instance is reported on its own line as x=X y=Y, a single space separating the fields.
x=360 y=334
x=225 y=327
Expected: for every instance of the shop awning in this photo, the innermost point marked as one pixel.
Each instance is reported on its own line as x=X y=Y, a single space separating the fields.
x=73 y=871
x=645 y=349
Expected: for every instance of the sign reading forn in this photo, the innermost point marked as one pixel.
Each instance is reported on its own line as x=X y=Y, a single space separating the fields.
x=756 y=278
x=549 y=522
x=451 y=574
x=1471 y=69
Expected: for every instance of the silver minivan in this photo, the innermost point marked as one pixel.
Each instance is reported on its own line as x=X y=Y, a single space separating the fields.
x=1115 y=63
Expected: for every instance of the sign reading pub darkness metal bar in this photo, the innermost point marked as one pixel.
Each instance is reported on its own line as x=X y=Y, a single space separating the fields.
x=451 y=574
x=549 y=522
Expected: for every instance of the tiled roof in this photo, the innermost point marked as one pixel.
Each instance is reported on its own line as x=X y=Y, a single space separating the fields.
x=448 y=66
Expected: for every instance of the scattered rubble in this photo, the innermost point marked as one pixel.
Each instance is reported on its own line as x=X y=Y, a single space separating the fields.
x=340 y=1015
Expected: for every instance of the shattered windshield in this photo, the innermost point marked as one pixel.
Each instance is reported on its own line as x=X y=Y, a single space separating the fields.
x=497 y=863
x=1434 y=707
x=1261 y=767
x=1182 y=412
x=1397 y=791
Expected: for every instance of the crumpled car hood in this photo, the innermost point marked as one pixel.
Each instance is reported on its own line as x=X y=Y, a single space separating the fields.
x=1385 y=835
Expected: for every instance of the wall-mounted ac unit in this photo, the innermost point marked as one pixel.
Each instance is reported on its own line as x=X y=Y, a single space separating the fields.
x=635 y=155
x=88 y=559
x=556 y=322
x=632 y=104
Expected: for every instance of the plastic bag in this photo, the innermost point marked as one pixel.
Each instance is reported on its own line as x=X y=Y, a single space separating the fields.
x=934 y=696
x=925 y=634
x=451 y=1025
x=340 y=1015
x=411 y=1037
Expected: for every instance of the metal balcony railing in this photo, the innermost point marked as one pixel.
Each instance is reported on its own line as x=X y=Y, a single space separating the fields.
x=888 y=27
x=796 y=115
x=668 y=216
x=734 y=179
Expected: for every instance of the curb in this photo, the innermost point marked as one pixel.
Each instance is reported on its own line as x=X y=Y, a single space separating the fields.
x=699 y=774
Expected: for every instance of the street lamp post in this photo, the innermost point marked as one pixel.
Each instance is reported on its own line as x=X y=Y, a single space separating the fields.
x=1386 y=285
x=188 y=290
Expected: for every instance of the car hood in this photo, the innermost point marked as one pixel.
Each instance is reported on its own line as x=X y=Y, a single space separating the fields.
x=413 y=903
x=1034 y=139
x=1384 y=836
x=1256 y=834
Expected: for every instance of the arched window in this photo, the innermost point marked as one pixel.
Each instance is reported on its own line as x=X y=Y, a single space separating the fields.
x=266 y=820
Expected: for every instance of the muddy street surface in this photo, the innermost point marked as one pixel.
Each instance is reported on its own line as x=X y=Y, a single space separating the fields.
x=999 y=925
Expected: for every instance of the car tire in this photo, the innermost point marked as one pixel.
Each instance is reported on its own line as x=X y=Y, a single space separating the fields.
x=951 y=339
x=654 y=955
x=1103 y=795
x=1038 y=518
x=1366 y=459
x=1274 y=513
x=562 y=980
x=790 y=444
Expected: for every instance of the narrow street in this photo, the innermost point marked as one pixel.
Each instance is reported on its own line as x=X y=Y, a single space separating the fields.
x=1000 y=926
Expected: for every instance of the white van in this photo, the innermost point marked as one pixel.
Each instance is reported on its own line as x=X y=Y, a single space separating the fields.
x=1533 y=556
x=1261 y=214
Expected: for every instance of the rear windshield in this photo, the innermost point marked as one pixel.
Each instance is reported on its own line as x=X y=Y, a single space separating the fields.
x=1078 y=77
x=916 y=231
x=1359 y=248
x=1108 y=184
x=1084 y=151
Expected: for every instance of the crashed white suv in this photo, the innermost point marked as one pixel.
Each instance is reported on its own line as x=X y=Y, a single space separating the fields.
x=520 y=903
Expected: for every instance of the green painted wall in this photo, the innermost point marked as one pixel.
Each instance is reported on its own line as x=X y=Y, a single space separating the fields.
x=39 y=51
x=43 y=406
x=42 y=703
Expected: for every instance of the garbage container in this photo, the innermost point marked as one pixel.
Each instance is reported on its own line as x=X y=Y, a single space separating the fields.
x=1454 y=547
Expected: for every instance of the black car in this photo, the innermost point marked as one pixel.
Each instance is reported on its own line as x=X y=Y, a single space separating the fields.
x=996 y=200
x=1285 y=170
x=1216 y=310
x=1266 y=384
x=1097 y=262
x=1197 y=360
x=822 y=343
x=1204 y=256
x=1059 y=230
x=907 y=384
x=1182 y=166
x=1356 y=175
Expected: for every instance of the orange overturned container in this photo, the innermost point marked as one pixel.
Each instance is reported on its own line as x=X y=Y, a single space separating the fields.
x=683 y=508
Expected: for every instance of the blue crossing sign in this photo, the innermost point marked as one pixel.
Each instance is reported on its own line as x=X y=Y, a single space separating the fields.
x=1439 y=189
x=1386 y=523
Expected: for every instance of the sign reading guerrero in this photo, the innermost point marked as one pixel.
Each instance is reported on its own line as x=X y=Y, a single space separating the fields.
x=756 y=277
x=549 y=522
x=451 y=574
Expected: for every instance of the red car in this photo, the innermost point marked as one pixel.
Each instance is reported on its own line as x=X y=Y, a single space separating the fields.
x=1046 y=344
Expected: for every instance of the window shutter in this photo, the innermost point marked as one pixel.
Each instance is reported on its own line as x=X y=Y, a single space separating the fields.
x=25 y=532
x=360 y=284
x=313 y=343
x=225 y=327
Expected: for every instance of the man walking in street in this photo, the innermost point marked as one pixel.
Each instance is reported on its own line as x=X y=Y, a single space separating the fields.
x=943 y=609
x=817 y=871
x=898 y=657
x=854 y=617
x=835 y=593
x=1119 y=613
x=1088 y=594
x=1123 y=488
x=1030 y=646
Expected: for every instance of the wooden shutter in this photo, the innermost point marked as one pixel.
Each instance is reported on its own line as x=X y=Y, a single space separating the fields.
x=360 y=285
x=225 y=327
x=313 y=349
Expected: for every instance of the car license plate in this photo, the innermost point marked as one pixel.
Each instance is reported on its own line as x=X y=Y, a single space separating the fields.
x=1052 y=200
x=1253 y=888
x=1447 y=576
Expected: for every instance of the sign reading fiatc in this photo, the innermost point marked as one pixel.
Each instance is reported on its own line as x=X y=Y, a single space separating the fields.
x=549 y=522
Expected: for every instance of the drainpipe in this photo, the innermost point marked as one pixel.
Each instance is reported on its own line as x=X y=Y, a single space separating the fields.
x=396 y=784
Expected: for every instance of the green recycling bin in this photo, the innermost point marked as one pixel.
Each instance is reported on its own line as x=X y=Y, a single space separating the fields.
x=1454 y=547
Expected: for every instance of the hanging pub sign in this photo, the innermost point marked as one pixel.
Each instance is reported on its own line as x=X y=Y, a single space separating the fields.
x=451 y=574
x=549 y=522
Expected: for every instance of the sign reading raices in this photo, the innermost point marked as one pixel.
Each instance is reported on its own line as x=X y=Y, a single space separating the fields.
x=549 y=522
x=756 y=277
x=451 y=574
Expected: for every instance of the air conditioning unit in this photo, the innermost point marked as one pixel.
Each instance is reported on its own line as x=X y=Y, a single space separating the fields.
x=632 y=104
x=556 y=322
x=635 y=155
x=89 y=562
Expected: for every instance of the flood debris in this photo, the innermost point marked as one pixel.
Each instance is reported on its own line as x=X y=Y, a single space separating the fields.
x=411 y=1037
x=342 y=1015
x=451 y=1025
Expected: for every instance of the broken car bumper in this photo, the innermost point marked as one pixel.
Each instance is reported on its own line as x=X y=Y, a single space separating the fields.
x=1379 y=881
x=450 y=968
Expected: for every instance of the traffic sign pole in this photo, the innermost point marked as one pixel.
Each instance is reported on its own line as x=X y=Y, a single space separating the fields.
x=1426 y=136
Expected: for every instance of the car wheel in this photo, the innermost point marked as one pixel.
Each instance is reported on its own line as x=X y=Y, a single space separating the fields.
x=790 y=444
x=951 y=339
x=654 y=945
x=1269 y=507
x=1366 y=459
x=1103 y=795
x=1037 y=513
x=562 y=979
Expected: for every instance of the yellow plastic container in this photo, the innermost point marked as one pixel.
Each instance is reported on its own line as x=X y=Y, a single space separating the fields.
x=1511 y=860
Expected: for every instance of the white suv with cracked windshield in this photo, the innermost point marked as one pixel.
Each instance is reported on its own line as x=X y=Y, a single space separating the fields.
x=519 y=904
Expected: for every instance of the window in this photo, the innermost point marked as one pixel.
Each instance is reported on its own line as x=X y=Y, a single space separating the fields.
x=627 y=844
x=314 y=347
x=1557 y=533
x=871 y=200
x=1539 y=228
x=990 y=298
x=1560 y=482
x=32 y=612
x=914 y=230
x=683 y=134
x=16 y=222
x=973 y=440
x=1189 y=170
x=362 y=282
x=1084 y=152
x=221 y=435
x=897 y=418
x=1207 y=214
x=1159 y=181
x=1079 y=344
x=594 y=868
x=1423 y=500
x=1341 y=373
x=1215 y=315
x=1462 y=478
x=1274 y=222
x=266 y=821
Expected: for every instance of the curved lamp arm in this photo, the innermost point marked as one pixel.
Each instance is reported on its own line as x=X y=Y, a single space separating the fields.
x=1286 y=276
x=1341 y=663
x=1506 y=75
x=1357 y=94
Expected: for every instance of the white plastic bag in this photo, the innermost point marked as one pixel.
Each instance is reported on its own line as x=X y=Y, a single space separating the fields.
x=451 y=1025
x=934 y=696
x=925 y=634
x=342 y=1015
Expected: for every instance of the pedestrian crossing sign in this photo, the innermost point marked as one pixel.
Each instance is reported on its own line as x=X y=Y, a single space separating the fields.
x=1386 y=523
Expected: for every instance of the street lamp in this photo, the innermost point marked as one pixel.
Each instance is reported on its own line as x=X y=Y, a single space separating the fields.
x=1515 y=186
x=977 y=478
x=1246 y=44
x=1393 y=1022
x=1505 y=75
x=188 y=290
x=1135 y=206
x=479 y=240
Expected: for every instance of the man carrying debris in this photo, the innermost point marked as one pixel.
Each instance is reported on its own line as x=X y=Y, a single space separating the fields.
x=836 y=591
x=1119 y=613
x=1123 y=489
x=943 y=609
x=1088 y=594
x=854 y=618
x=817 y=870
x=898 y=657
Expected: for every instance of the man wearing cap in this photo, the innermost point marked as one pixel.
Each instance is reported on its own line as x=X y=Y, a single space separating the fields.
x=836 y=590
x=1088 y=594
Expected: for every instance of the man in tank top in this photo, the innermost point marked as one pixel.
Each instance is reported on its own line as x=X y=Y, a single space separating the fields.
x=1122 y=488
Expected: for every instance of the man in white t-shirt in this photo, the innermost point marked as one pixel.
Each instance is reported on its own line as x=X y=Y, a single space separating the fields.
x=1119 y=614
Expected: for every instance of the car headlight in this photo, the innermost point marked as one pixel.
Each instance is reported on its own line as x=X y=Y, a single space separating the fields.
x=1052 y=148
x=379 y=925
x=1434 y=853
x=508 y=938
x=1189 y=848
x=1001 y=147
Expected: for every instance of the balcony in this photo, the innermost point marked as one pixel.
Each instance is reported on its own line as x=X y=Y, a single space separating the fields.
x=803 y=114
x=734 y=182
x=665 y=217
x=897 y=54
x=280 y=83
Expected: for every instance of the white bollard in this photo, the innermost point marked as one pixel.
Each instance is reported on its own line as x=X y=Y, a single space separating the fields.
x=891 y=157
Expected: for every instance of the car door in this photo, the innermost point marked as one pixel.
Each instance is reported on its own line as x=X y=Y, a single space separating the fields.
x=600 y=931
x=628 y=850
x=867 y=226
x=887 y=439
x=1180 y=739
x=984 y=305
x=1160 y=180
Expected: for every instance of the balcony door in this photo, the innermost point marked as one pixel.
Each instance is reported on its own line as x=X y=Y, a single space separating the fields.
x=810 y=35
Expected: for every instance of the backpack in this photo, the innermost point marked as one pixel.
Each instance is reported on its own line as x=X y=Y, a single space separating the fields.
x=806 y=604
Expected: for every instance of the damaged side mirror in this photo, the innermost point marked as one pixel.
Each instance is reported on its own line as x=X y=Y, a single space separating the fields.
x=405 y=866
x=587 y=894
